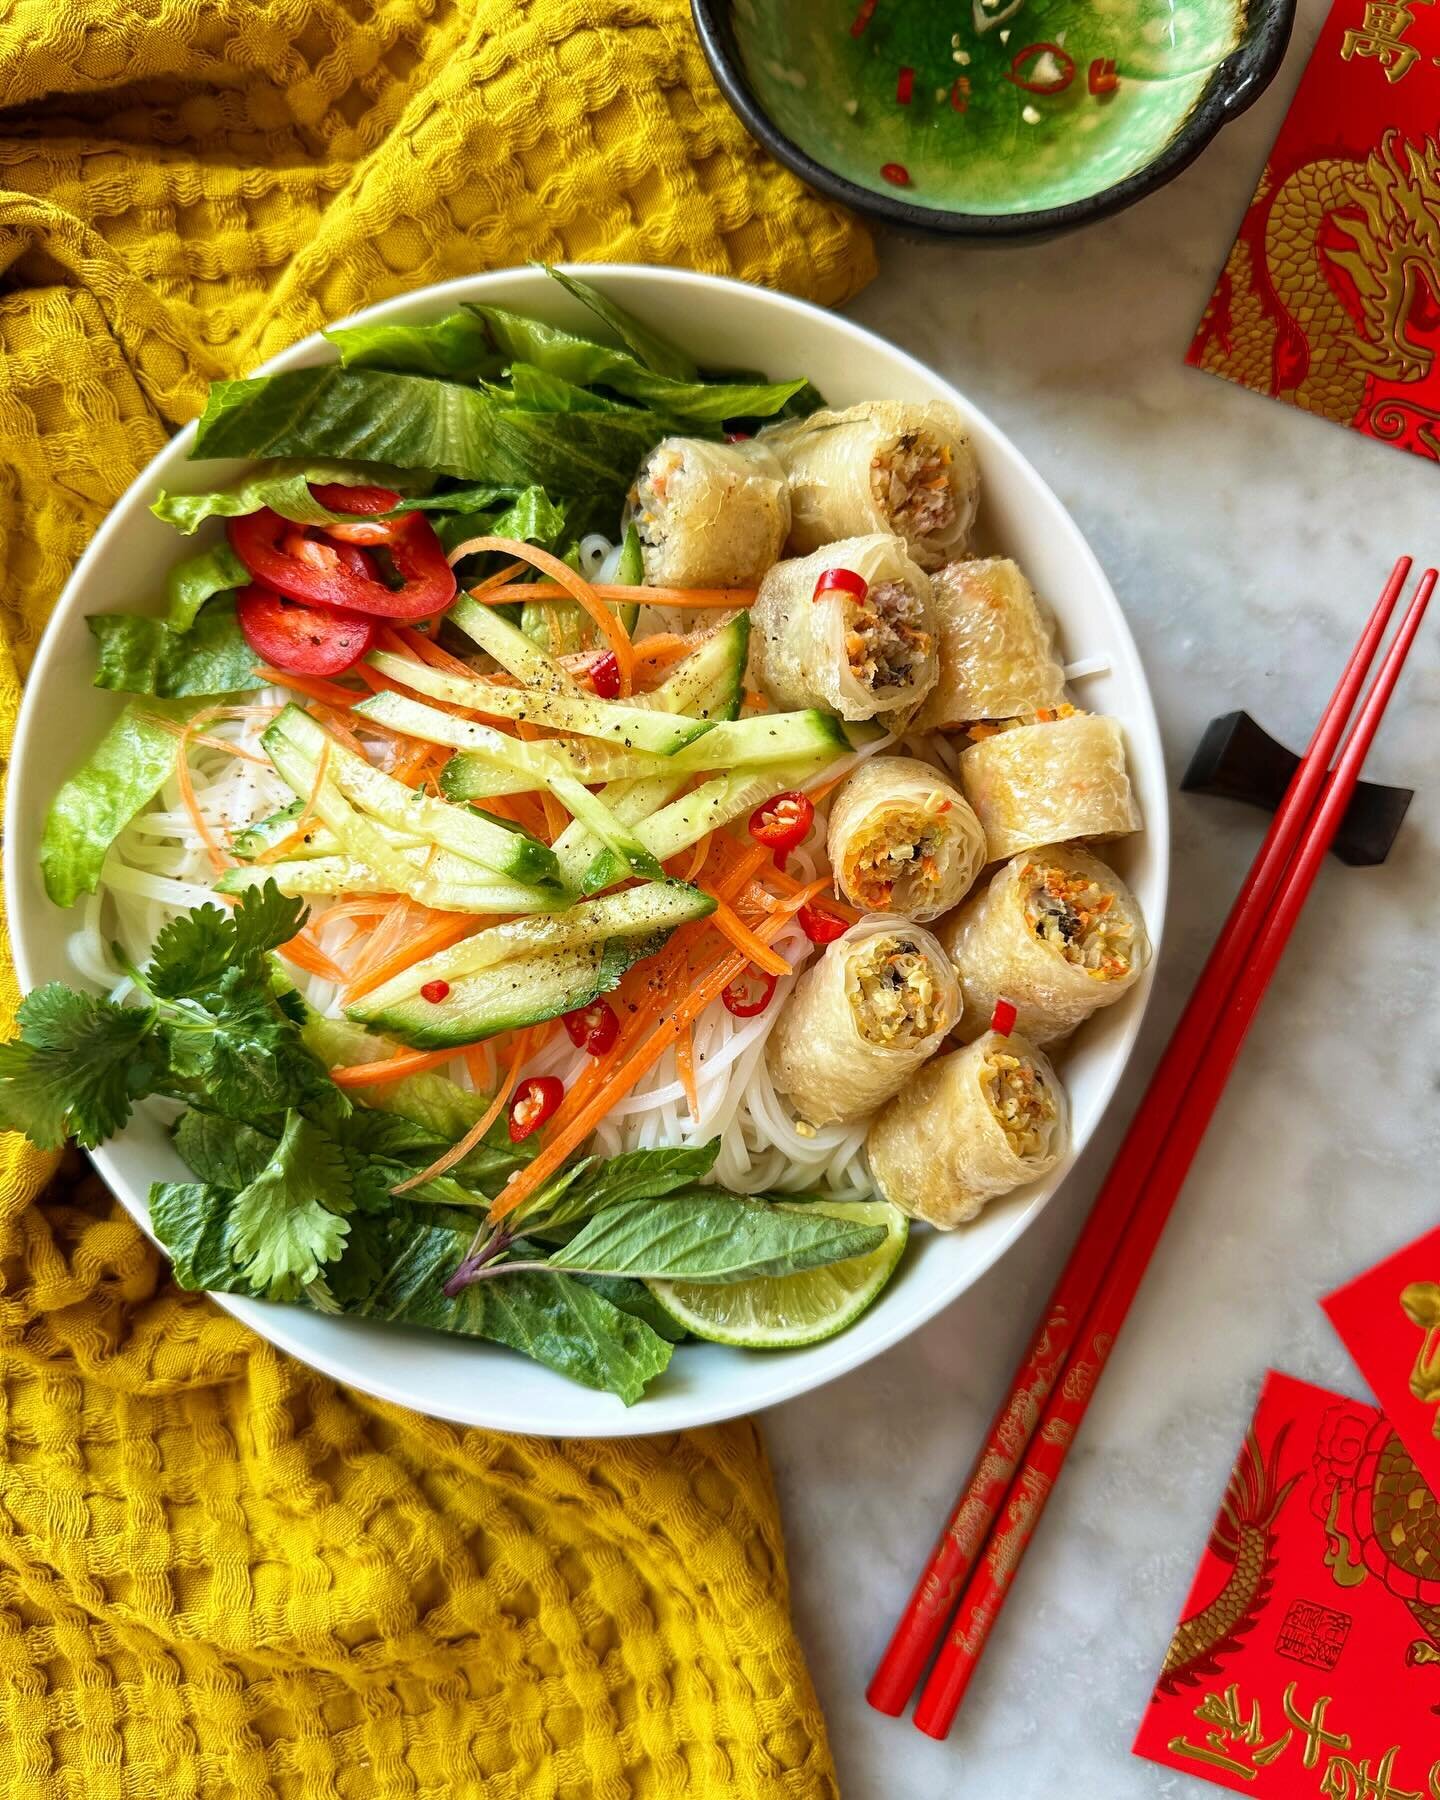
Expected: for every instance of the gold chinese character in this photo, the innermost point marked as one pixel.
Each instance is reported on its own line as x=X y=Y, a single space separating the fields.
x=1382 y=36
x=1316 y=1736
x=1346 y=1780
x=1231 y=1729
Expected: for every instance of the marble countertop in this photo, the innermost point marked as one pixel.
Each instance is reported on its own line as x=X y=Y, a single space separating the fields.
x=1246 y=542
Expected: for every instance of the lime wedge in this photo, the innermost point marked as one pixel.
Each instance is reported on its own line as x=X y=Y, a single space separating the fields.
x=781 y=1312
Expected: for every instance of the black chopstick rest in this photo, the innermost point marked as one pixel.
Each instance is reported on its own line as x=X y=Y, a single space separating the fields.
x=1237 y=759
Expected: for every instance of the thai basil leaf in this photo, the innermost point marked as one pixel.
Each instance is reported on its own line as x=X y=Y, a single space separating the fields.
x=655 y=351
x=145 y=656
x=455 y=347
x=199 y=578
x=285 y=490
x=396 y=1269
x=709 y=1235
x=590 y=1186
x=413 y=422
x=123 y=775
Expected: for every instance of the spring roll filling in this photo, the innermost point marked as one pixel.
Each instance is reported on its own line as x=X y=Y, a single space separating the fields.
x=1078 y=918
x=651 y=495
x=1023 y=1106
x=884 y=639
x=902 y=858
x=893 y=994
x=1047 y=715
x=912 y=486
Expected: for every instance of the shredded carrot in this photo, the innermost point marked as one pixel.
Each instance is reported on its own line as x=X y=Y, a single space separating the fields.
x=314 y=687
x=399 y=919
x=481 y=1065
x=609 y=590
x=573 y=585
x=402 y=638
x=447 y=929
x=459 y=1151
x=393 y=1068
x=334 y=723
x=700 y=857
x=218 y=858
x=292 y=840
x=309 y=956
x=639 y=1063
x=500 y=577
x=685 y=1066
x=728 y=921
x=218 y=743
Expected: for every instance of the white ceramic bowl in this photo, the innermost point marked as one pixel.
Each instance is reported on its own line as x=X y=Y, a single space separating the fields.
x=723 y=323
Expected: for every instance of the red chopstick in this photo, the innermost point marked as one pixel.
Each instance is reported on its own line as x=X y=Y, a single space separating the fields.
x=953 y=1557
x=1066 y=1407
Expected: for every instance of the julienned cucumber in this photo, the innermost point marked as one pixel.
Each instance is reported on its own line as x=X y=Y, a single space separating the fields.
x=768 y=738
x=638 y=912
x=710 y=683
x=634 y=727
x=577 y=848
x=454 y=885
x=508 y=852
x=516 y=653
x=685 y=821
x=522 y=991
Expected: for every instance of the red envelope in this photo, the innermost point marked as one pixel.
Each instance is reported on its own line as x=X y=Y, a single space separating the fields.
x=1330 y=299
x=1390 y=1321
x=1307 y=1662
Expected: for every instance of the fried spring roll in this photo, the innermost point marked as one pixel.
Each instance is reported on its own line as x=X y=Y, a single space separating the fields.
x=1048 y=782
x=969 y=1127
x=862 y=1019
x=886 y=465
x=996 y=647
x=903 y=839
x=1056 y=933
x=863 y=657
x=709 y=515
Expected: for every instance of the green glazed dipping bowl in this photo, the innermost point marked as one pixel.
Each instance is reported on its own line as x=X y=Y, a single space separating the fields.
x=990 y=120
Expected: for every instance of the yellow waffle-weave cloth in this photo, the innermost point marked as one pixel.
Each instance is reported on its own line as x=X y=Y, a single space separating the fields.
x=221 y=1576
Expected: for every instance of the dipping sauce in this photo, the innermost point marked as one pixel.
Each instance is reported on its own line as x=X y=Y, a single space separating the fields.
x=985 y=106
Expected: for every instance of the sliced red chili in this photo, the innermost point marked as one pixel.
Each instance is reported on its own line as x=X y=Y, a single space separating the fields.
x=1103 y=79
x=896 y=174
x=302 y=640
x=337 y=496
x=960 y=93
x=535 y=1101
x=1053 y=84
x=749 y=994
x=605 y=676
x=905 y=85
x=435 y=991
x=782 y=823
x=271 y=549
x=862 y=17
x=1002 y=1020
x=841 y=581
x=819 y=926
x=593 y=1028
x=737 y=437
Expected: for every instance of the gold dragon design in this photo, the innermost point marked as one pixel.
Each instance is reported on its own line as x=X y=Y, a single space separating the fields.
x=1365 y=227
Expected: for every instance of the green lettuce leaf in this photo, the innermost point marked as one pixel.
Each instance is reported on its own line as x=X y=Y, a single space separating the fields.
x=412 y=422
x=192 y=1221
x=532 y=517
x=635 y=1298
x=655 y=351
x=456 y=346
x=539 y=391
x=709 y=1235
x=284 y=489
x=146 y=656
x=199 y=578
x=123 y=775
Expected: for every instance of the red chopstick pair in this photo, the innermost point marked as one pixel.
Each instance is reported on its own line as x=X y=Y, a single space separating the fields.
x=997 y=1511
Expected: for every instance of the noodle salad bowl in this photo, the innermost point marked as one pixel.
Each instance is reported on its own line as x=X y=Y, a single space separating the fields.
x=729 y=325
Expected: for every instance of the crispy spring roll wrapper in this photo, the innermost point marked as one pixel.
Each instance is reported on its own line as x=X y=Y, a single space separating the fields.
x=709 y=515
x=1048 y=782
x=861 y=659
x=903 y=839
x=996 y=647
x=862 y=1019
x=1056 y=933
x=886 y=465
x=969 y=1127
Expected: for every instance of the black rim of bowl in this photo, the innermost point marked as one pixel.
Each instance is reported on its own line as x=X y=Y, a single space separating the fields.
x=1237 y=83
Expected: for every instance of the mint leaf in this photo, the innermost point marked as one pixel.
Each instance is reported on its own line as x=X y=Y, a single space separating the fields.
x=287 y=1223
x=709 y=1235
x=635 y=1298
x=123 y=775
x=77 y=1067
x=221 y=1152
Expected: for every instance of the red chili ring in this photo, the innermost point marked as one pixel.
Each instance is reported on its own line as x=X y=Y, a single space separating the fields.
x=841 y=581
x=1061 y=56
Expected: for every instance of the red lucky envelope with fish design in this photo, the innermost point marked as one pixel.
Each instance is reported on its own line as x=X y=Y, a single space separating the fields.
x=1330 y=298
x=1389 y=1318
x=1306 y=1665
